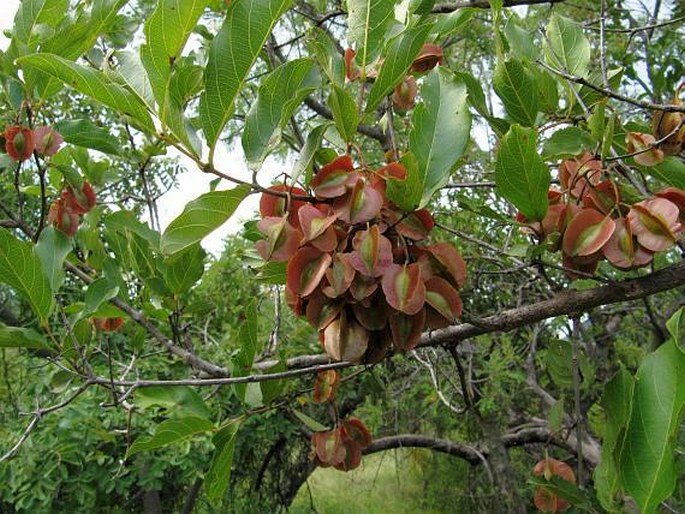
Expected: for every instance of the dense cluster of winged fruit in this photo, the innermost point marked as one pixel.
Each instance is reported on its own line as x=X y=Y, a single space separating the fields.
x=594 y=221
x=359 y=269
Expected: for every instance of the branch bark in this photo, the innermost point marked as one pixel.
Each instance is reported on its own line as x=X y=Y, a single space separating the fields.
x=485 y=4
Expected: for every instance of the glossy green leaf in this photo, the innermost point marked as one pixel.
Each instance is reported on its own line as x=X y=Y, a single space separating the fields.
x=520 y=40
x=91 y=83
x=248 y=340
x=344 y=109
x=21 y=269
x=305 y=161
x=272 y=273
x=521 y=175
x=85 y=133
x=616 y=406
x=79 y=36
x=200 y=217
x=52 y=248
x=99 y=292
x=279 y=95
x=176 y=400
x=367 y=23
x=516 y=88
x=646 y=455
x=16 y=337
x=219 y=473
x=185 y=268
x=441 y=125
x=233 y=51
x=34 y=14
x=169 y=432
x=671 y=171
x=271 y=389
x=166 y=32
x=326 y=54
x=397 y=59
x=676 y=327
x=567 y=143
x=453 y=23
x=566 y=47
x=310 y=423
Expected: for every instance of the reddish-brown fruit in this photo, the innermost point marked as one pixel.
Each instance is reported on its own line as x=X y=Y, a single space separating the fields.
x=62 y=218
x=108 y=324
x=545 y=500
x=47 y=140
x=326 y=386
x=276 y=206
x=19 y=142
x=643 y=146
x=429 y=57
x=79 y=202
x=404 y=96
x=352 y=71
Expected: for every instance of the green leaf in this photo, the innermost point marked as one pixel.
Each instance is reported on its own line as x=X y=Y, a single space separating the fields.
x=272 y=273
x=272 y=388
x=516 y=88
x=566 y=143
x=452 y=23
x=441 y=125
x=52 y=248
x=310 y=423
x=558 y=360
x=305 y=161
x=21 y=269
x=91 y=83
x=33 y=14
x=200 y=217
x=324 y=50
x=566 y=46
x=219 y=473
x=169 y=432
x=99 y=292
x=184 y=268
x=247 y=337
x=345 y=113
x=521 y=175
x=671 y=171
x=616 y=406
x=521 y=41
x=234 y=50
x=166 y=33
x=176 y=400
x=398 y=57
x=367 y=22
x=279 y=95
x=676 y=327
x=646 y=455
x=15 y=337
x=87 y=134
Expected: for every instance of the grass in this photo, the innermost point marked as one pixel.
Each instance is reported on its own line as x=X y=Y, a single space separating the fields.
x=385 y=482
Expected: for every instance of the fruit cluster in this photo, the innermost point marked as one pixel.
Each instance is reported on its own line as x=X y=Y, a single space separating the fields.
x=360 y=269
x=341 y=447
x=72 y=202
x=595 y=222
x=21 y=142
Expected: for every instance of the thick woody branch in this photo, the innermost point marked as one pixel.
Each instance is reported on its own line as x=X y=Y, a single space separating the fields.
x=485 y=4
x=474 y=454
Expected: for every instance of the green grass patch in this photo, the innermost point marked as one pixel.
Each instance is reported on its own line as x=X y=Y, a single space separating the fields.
x=385 y=482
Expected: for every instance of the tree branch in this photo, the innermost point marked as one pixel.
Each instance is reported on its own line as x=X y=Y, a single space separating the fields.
x=485 y=4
